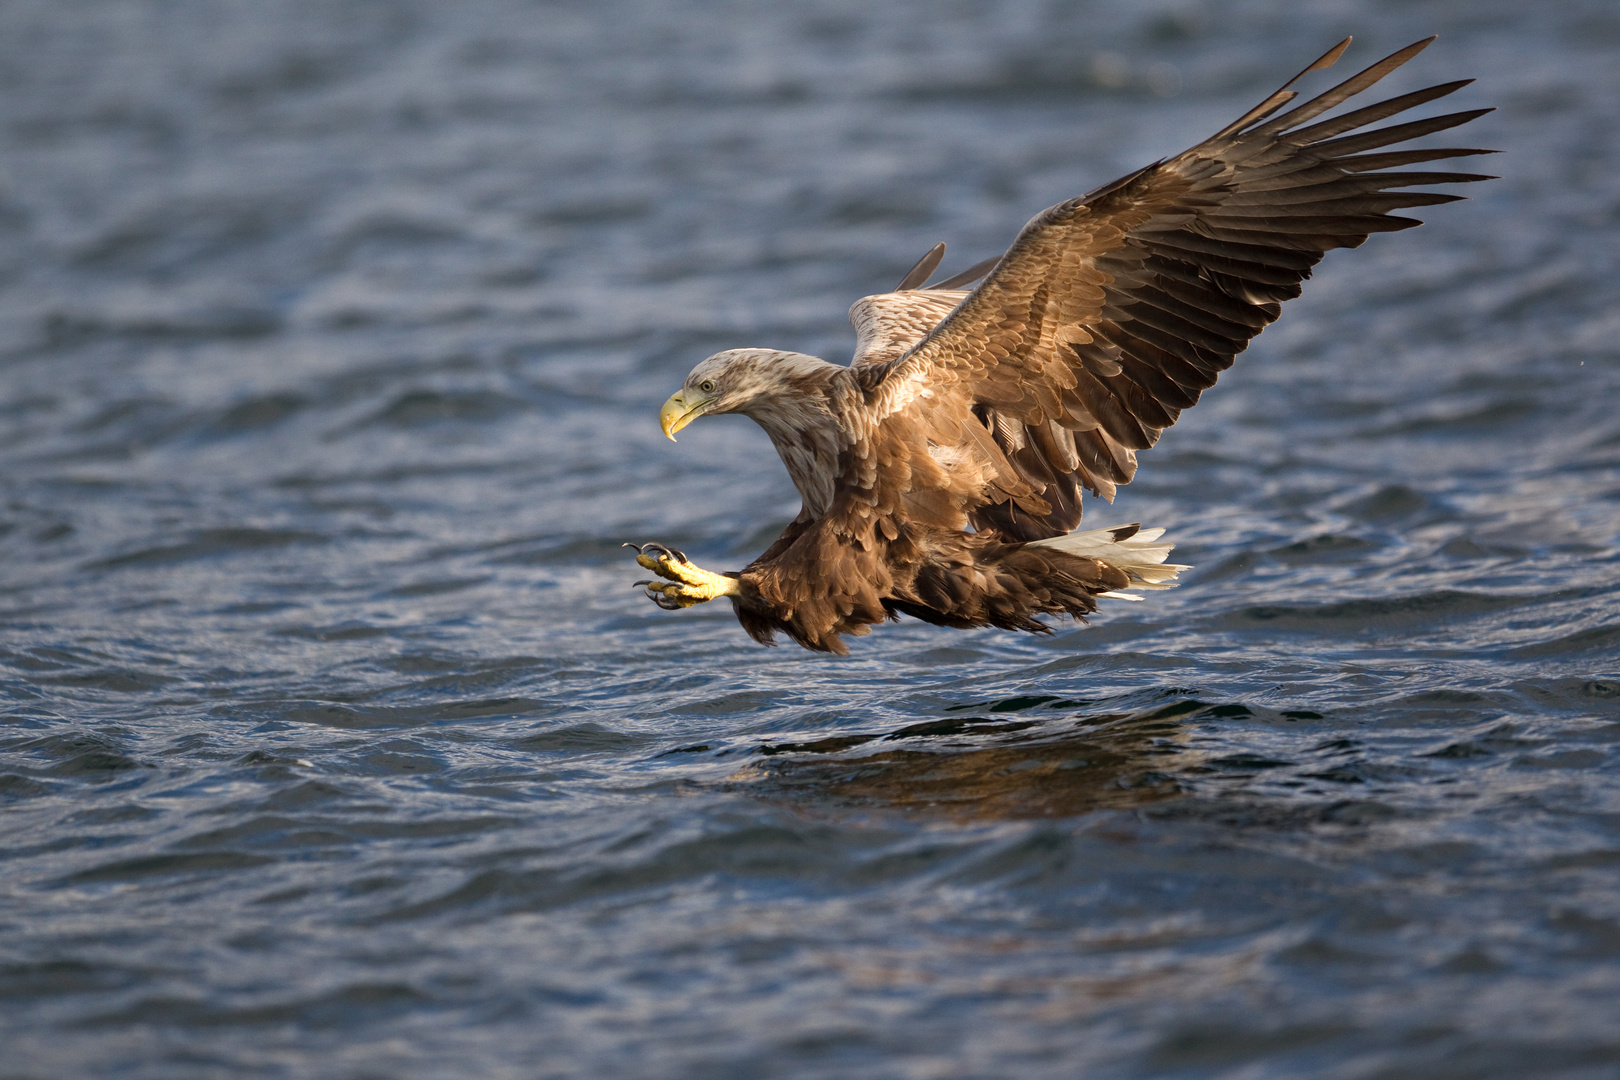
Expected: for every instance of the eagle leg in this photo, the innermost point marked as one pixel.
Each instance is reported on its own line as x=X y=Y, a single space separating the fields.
x=688 y=584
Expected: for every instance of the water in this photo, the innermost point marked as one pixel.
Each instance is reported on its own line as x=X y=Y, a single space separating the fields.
x=336 y=743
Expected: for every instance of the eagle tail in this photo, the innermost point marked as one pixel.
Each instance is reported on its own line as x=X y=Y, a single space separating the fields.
x=1130 y=548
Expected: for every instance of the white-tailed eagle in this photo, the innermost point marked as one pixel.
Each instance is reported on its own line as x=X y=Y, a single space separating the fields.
x=942 y=470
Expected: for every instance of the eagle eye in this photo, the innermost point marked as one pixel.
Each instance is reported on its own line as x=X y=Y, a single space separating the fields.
x=707 y=386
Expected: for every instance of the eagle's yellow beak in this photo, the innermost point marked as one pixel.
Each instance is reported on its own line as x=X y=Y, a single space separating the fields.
x=676 y=413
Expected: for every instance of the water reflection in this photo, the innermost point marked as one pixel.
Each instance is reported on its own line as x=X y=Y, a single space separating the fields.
x=980 y=768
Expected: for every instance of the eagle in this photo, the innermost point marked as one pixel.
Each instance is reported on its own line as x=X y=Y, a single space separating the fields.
x=941 y=471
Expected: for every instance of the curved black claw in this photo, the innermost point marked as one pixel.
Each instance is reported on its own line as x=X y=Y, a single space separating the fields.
x=668 y=552
x=665 y=602
x=639 y=584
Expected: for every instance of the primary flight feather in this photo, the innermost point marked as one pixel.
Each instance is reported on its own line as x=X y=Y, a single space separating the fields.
x=942 y=470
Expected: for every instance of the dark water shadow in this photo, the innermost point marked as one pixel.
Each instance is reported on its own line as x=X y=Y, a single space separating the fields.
x=975 y=768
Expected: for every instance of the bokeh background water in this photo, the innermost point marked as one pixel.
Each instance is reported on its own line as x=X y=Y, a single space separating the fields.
x=335 y=742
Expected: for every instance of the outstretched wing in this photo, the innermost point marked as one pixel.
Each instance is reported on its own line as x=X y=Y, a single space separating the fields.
x=888 y=324
x=1112 y=312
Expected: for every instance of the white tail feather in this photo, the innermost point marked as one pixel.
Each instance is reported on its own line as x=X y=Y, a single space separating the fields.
x=1128 y=547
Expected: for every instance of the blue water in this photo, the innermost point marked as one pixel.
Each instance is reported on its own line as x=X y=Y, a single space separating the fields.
x=334 y=741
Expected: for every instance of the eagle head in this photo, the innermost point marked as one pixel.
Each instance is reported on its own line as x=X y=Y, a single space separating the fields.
x=747 y=381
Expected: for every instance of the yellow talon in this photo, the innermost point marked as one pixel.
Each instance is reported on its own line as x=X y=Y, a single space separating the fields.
x=689 y=584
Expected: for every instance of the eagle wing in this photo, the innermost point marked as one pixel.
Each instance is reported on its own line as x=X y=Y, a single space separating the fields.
x=888 y=324
x=1113 y=311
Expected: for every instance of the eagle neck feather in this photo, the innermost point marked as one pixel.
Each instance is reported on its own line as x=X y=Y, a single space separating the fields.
x=800 y=414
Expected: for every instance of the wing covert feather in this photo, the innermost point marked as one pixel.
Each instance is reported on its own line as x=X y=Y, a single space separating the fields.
x=888 y=324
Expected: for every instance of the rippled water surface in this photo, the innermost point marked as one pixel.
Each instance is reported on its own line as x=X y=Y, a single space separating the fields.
x=335 y=743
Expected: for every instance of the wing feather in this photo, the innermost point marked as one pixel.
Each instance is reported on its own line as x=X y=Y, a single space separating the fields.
x=1114 y=311
x=888 y=324
x=922 y=270
x=1352 y=86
